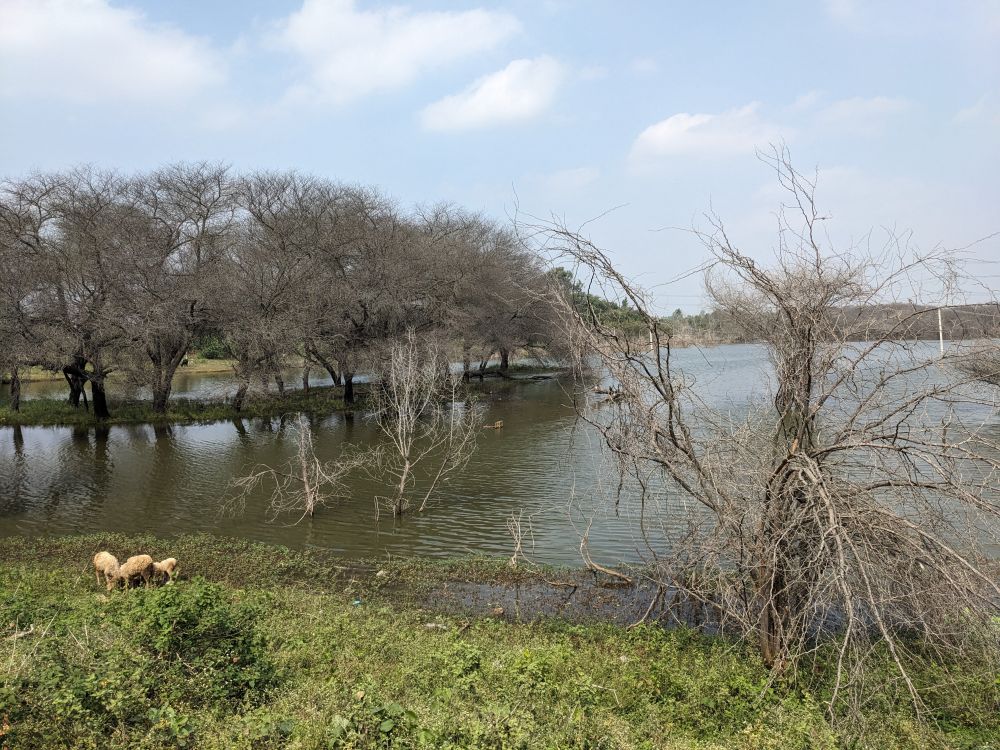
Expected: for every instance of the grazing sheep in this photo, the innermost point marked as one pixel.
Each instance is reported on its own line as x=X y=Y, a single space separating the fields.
x=136 y=567
x=106 y=563
x=163 y=570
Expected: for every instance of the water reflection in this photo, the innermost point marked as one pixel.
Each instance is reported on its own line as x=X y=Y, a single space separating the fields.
x=544 y=464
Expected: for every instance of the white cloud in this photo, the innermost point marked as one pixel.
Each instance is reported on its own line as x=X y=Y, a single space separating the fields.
x=806 y=101
x=738 y=131
x=645 y=66
x=986 y=110
x=87 y=51
x=521 y=91
x=842 y=10
x=593 y=73
x=566 y=180
x=860 y=115
x=350 y=52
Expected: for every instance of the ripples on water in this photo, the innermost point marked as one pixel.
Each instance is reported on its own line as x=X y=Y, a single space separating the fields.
x=544 y=465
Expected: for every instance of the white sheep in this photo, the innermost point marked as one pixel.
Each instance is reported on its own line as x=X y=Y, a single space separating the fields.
x=163 y=570
x=137 y=566
x=106 y=563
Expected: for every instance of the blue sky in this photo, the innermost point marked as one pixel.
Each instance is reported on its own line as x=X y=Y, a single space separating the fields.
x=554 y=107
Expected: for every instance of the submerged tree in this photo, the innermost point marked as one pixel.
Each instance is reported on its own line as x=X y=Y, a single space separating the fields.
x=860 y=499
x=303 y=483
x=430 y=433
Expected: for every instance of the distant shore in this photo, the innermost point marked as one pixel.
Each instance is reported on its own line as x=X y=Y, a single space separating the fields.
x=326 y=399
x=47 y=412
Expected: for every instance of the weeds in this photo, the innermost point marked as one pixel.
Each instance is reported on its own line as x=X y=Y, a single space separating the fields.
x=296 y=649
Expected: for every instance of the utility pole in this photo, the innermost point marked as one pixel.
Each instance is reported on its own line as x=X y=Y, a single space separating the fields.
x=940 y=332
x=950 y=281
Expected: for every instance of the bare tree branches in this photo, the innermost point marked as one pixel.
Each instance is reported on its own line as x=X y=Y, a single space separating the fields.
x=861 y=499
x=303 y=483
x=429 y=430
x=109 y=274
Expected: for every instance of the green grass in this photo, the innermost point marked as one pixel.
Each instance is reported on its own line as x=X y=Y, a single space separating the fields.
x=262 y=647
x=50 y=411
x=196 y=364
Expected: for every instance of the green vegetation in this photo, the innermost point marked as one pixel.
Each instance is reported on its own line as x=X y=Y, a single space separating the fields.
x=212 y=347
x=263 y=647
x=50 y=411
x=703 y=327
x=199 y=362
x=319 y=400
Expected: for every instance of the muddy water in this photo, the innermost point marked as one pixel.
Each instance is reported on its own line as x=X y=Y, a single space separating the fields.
x=543 y=467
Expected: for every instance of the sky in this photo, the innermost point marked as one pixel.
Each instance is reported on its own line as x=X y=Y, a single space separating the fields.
x=628 y=119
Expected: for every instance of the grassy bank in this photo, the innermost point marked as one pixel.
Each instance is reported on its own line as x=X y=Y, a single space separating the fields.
x=262 y=647
x=40 y=412
x=196 y=365
x=50 y=411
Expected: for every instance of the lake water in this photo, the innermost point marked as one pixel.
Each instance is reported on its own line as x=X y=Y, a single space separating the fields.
x=543 y=466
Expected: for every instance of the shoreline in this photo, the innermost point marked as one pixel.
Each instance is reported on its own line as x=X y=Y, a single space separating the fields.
x=196 y=365
x=50 y=412
x=320 y=400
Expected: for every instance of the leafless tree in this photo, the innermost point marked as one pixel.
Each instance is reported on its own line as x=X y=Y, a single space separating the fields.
x=116 y=276
x=430 y=432
x=982 y=362
x=300 y=485
x=261 y=288
x=176 y=233
x=859 y=499
x=14 y=294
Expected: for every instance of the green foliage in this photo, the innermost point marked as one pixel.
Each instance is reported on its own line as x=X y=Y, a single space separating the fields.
x=620 y=314
x=283 y=658
x=50 y=411
x=212 y=347
x=145 y=667
x=195 y=629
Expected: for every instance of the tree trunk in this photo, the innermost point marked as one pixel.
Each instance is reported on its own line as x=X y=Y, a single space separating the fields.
x=305 y=380
x=240 y=396
x=161 y=394
x=466 y=361
x=100 y=399
x=280 y=382
x=348 y=387
x=166 y=353
x=325 y=364
x=504 y=360
x=15 y=389
x=397 y=506
x=75 y=380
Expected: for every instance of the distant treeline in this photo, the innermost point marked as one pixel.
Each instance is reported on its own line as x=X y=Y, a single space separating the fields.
x=899 y=321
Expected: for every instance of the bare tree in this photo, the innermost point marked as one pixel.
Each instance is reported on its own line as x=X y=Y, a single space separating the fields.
x=177 y=232
x=983 y=363
x=260 y=290
x=430 y=433
x=303 y=483
x=861 y=499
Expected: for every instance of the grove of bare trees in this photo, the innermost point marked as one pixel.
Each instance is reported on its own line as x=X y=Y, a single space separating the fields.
x=108 y=275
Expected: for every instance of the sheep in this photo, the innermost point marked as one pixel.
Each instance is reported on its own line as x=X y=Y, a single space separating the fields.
x=106 y=563
x=163 y=570
x=137 y=566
